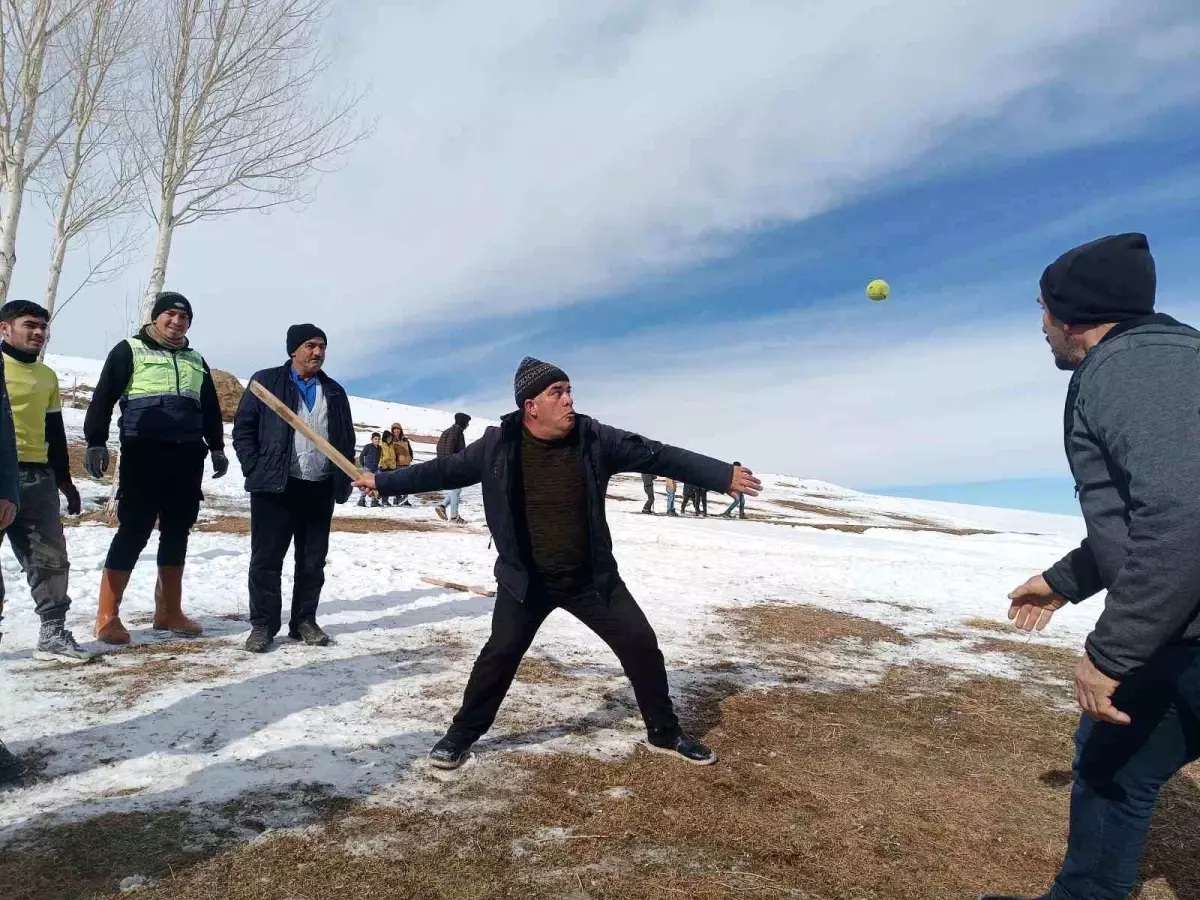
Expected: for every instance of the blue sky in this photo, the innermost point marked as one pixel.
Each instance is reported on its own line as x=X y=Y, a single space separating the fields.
x=681 y=204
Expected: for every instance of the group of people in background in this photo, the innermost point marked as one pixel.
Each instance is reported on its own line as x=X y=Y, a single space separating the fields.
x=391 y=450
x=387 y=450
x=694 y=494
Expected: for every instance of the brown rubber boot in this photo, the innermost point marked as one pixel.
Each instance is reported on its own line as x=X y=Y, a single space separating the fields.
x=168 y=604
x=108 y=623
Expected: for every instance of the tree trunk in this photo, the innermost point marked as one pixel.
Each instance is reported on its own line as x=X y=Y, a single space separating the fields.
x=14 y=191
x=162 y=253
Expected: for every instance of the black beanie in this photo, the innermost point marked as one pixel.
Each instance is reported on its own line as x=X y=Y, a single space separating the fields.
x=298 y=334
x=165 y=300
x=533 y=377
x=1108 y=280
x=462 y=420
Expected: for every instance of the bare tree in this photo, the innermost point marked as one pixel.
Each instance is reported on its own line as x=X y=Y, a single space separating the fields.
x=91 y=184
x=235 y=120
x=31 y=121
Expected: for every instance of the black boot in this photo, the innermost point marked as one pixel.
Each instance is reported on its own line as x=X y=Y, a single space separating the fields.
x=258 y=641
x=451 y=751
x=680 y=743
x=309 y=632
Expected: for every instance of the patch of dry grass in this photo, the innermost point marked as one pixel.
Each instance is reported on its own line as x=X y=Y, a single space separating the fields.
x=924 y=786
x=341 y=524
x=539 y=670
x=89 y=858
x=158 y=664
x=807 y=626
x=988 y=625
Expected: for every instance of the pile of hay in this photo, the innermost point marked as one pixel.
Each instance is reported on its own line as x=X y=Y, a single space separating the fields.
x=229 y=391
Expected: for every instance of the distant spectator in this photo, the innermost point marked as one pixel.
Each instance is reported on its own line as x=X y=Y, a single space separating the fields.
x=453 y=440
x=648 y=484
x=404 y=457
x=369 y=460
x=739 y=503
x=689 y=496
x=387 y=458
x=671 y=484
x=700 y=501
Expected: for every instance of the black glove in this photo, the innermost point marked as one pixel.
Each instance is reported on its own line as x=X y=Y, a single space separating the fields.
x=95 y=462
x=220 y=463
x=74 y=501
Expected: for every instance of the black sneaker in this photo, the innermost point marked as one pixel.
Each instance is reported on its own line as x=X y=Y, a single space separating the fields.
x=55 y=642
x=680 y=743
x=441 y=511
x=11 y=767
x=309 y=632
x=258 y=641
x=451 y=751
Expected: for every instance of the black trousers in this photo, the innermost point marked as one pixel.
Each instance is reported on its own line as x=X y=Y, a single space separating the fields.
x=302 y=513
x=649 y=486
x=620 y=622
x=160 y=482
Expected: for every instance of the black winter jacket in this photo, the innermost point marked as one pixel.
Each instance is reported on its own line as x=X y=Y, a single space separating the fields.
x=264 y=443
x=170 y=424
x=494 y=461
x=452 y=441
x=1132 y=423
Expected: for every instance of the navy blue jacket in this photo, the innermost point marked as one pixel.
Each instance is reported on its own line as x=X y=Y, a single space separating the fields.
x=265 y=444
x=494 y=461
x=370 y=457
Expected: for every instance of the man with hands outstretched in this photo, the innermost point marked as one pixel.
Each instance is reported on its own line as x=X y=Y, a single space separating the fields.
x=545 y=472
x=1132 y=436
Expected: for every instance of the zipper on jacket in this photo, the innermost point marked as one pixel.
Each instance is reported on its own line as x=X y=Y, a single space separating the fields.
x=175 y=362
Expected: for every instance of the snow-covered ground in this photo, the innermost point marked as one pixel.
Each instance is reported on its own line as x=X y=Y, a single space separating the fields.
x=358 y=716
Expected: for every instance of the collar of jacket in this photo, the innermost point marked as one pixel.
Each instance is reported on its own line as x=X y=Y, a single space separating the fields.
x=143 y=335
x=321 y=376
x=1129 y=324
x=510 y=426
x=18 y=355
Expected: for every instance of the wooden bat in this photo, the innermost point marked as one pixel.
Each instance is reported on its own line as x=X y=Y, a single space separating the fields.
x=457 y=586
x=281 y=409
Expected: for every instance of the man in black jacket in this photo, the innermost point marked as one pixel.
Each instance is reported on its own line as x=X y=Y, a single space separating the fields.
x=293 y=487
x=1132 y=429
x=453 y=440
x=170 y=421
x=545 y=473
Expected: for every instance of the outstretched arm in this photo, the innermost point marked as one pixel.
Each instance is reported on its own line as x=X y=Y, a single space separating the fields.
x=457 y=471
x=629 y=452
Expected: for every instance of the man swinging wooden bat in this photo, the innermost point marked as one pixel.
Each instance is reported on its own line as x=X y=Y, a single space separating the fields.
x=294 y=481
x=545 y=472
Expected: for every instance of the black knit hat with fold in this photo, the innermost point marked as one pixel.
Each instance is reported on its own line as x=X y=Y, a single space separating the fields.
x=1107 y=280
x=533 y=377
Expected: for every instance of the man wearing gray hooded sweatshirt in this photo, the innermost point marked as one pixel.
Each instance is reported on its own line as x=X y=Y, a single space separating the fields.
x=1132 y=434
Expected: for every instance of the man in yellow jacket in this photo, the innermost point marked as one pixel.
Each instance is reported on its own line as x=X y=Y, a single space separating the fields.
x=36 y=533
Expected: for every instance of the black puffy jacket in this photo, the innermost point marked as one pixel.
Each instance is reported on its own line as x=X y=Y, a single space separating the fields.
x=264 y=443
x=494 y=461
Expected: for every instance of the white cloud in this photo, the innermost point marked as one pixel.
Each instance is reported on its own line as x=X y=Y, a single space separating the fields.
x=530 y=154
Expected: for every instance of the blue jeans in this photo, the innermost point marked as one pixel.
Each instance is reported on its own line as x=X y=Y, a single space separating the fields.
x=738 y=500
x=452 y=502
x=670 y=499
x=1120 y=769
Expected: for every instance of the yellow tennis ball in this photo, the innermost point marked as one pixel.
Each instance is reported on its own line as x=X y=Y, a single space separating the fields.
x=878 y=289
